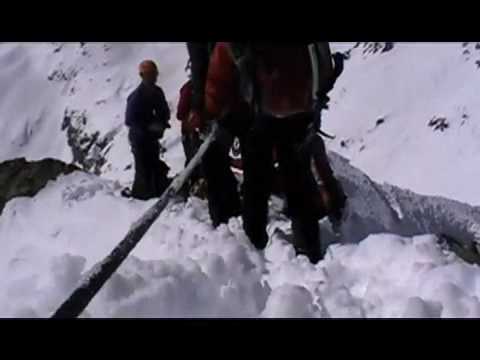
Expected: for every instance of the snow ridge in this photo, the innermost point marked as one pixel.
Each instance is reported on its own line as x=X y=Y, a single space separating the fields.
x=185 y=268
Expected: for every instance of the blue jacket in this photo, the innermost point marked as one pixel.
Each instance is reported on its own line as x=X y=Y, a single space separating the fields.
x=144 y=108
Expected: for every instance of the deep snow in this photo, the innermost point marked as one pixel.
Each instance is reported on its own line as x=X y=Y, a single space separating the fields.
x=408 y=88
x=90 y=82
x=183 y=267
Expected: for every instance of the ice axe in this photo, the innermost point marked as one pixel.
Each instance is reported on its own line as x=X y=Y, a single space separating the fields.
x=74 y=305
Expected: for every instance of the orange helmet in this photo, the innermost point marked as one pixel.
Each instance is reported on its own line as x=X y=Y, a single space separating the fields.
x=147 y=66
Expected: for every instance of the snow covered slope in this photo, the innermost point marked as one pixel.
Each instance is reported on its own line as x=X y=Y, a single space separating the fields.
x=184 y=268
x=410 y=116
x=67 y=100
x=403 y=113
x=406 y=113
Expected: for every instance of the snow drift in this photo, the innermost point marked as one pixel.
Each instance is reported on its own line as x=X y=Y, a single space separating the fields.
x=409 y=116
x=404 y=113
x=185 y=268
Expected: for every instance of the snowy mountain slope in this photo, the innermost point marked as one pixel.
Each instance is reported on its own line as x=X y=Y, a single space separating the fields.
x=183 y=267
x=403 y=112
x=375 y=208
x=67 y=100
x=410 y=116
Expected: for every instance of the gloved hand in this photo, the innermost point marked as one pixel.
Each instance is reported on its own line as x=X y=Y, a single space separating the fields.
x=157 y=129
x=194 y=122
x=321 y=103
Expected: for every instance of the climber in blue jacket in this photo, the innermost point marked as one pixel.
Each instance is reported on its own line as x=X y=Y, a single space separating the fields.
x=147 y=116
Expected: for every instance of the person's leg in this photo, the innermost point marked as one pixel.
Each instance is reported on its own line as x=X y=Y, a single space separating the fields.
x=222 y=192
x=194 y=144
x=186 y=143
x=301 y=192
x=140 y=184
x=238 y=124
x=258 y=170
x=191 y=143
x=158 y=170
x=307 y=237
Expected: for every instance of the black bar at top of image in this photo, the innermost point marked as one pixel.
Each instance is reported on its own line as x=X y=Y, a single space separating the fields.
x=319 y=21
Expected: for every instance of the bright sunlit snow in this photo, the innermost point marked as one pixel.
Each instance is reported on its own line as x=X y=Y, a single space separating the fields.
x=386 y=263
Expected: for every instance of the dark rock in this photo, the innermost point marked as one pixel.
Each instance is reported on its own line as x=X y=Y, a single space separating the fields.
x=388 y=46
x=88 y=149
x=379 y=122
x=439 y=124
x=468 y=252
x=63 y=75
x=376 y=47
x=19 y=177
x=66 y=120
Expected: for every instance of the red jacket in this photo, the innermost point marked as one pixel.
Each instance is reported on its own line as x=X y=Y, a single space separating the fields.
x=222 y=87
x=185 y=103
x=284 y=77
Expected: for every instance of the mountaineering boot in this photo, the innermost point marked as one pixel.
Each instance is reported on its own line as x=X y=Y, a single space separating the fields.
x=307 y=239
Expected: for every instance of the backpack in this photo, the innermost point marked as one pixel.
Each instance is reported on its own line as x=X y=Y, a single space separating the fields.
x=284 y=78
x=199 y=57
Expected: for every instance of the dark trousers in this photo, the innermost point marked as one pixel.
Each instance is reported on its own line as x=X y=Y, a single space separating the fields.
x=191 y=143
x=298 y=182
x=222 y=186
x=150 y=172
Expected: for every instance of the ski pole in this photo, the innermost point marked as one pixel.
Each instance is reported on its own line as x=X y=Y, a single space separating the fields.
x=74 y=305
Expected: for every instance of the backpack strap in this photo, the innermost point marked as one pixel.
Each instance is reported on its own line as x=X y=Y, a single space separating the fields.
x=322 y=68
x=326 y=69
x=244 y=59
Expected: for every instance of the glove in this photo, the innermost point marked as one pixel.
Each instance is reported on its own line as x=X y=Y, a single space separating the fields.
x=194 y=122
x=157 y=129
x=321 y=103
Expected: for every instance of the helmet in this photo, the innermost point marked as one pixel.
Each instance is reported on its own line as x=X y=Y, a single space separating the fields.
x=147 y=66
